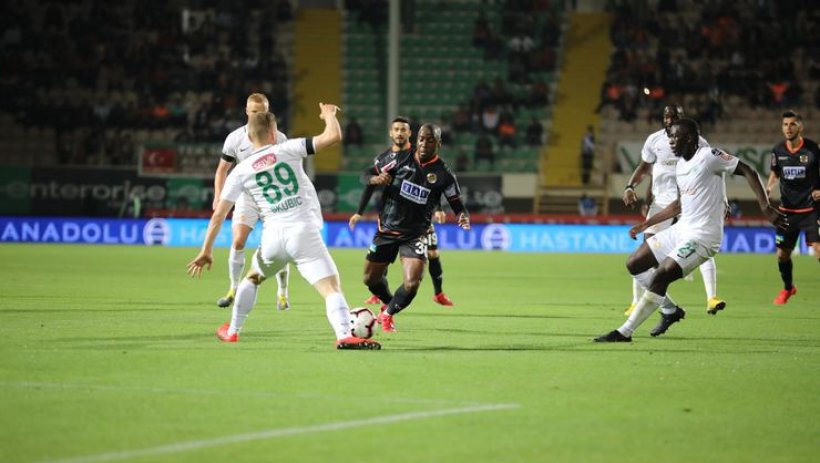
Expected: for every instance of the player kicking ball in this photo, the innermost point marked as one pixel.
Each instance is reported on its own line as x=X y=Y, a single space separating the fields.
x=681 y=248
x=292 y=221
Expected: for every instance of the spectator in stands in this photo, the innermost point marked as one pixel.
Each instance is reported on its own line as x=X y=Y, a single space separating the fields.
x=353 y=133
x=587 y=154
x=490 y=118
x=481 y=31
x=587 y=206
x=507 y=130
x=484 y=150
x=535 y=133
x=461 y=120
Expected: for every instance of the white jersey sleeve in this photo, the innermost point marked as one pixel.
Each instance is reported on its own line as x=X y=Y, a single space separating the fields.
x=721 y=162
x=648 y=154
x=233 y=186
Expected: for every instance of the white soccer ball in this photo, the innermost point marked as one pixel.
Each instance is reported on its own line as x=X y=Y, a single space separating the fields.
x=362 y=321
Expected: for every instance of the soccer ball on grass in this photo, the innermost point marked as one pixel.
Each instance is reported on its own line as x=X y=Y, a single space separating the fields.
x=362 y=322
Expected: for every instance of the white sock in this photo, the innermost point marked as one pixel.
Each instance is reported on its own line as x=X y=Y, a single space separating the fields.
x=236 y=264
x=708 y=270
x=648 y=303
x=644 y=279
x=637 y=291
x=338 y=314
x=282 y=277
x=242 y=305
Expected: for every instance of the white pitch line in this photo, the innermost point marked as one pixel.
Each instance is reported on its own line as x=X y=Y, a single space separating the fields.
x=281 y=432
x=187 y=391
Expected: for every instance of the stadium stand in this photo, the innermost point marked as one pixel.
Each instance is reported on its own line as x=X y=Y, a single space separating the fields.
x=86 y=82
x=459 y=60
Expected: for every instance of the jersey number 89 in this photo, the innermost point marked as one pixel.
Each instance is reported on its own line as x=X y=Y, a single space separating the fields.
x=270 y=189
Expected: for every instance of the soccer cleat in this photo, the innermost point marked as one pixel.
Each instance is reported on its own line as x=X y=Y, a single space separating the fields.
x=222 y=333
x=227 y=300
x=784 y=295
x=373 y=299
x=630 y=309
x=386 y=320
x=613 y=336
x=442 y=299
x=667 y=321
x=354 y=343
x=282 y=302
x=715 y=305
x=381 y=311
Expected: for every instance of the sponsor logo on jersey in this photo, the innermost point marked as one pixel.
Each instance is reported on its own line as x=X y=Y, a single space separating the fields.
x=431 y=178
x=264 y=162
x=416 y=193
x=670 y=162
x=794 y=172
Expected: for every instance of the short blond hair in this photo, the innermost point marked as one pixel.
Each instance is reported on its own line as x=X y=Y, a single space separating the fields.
x=260 y=126
x=259 y=98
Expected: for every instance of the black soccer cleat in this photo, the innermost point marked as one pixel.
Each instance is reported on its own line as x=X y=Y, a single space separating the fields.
x=667 y=321
x=613 y=336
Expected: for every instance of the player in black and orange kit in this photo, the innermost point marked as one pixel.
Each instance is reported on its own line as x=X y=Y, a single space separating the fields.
x=796 y=164
x=401 y=134
x=414 y=183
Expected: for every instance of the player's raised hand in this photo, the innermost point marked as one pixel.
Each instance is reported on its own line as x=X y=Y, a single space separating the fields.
x=195 y=266
x=354 y=219
x=464 y=221
x=327 y=109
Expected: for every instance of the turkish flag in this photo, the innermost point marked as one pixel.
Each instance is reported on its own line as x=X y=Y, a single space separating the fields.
x=159 y=160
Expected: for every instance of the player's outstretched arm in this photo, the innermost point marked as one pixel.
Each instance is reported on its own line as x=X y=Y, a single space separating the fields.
x=777 y=218
x=219 y=179
x=205 y=256
x=772 y=181
x=333 y=131
x=670 y=211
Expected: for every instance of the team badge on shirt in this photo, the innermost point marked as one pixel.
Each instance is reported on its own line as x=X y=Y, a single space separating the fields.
x=804 y=158
x=431 y=178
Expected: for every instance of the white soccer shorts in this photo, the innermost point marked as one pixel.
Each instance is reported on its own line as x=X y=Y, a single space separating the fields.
x=245 y=211
x=298 y=243
x=675 y=244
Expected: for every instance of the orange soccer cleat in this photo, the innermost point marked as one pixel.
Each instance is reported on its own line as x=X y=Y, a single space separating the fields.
x=386 y=321
x=373 y=299
x=354 y=343
x=222 y=333
x=784 y=295
x=442 y=299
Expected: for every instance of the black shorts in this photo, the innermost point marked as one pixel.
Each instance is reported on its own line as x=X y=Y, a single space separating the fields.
x=385 y=248
x=431 y=238
x=804 y=221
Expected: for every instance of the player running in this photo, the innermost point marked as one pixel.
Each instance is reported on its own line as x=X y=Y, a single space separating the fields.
x=273 y=176
x=414 y=184
x=676 y=251
x=401 y=134
x=657 y=157
x=796 y=164
x=237 y=148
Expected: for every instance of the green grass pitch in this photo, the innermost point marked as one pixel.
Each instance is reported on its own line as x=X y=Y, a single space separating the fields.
x=109 y=354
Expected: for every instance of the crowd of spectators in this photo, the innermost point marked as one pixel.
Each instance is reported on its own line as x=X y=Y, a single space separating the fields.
x=95 y=72
x=702 y=52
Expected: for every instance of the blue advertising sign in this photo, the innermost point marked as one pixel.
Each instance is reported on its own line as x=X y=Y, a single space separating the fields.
x=502 y=237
